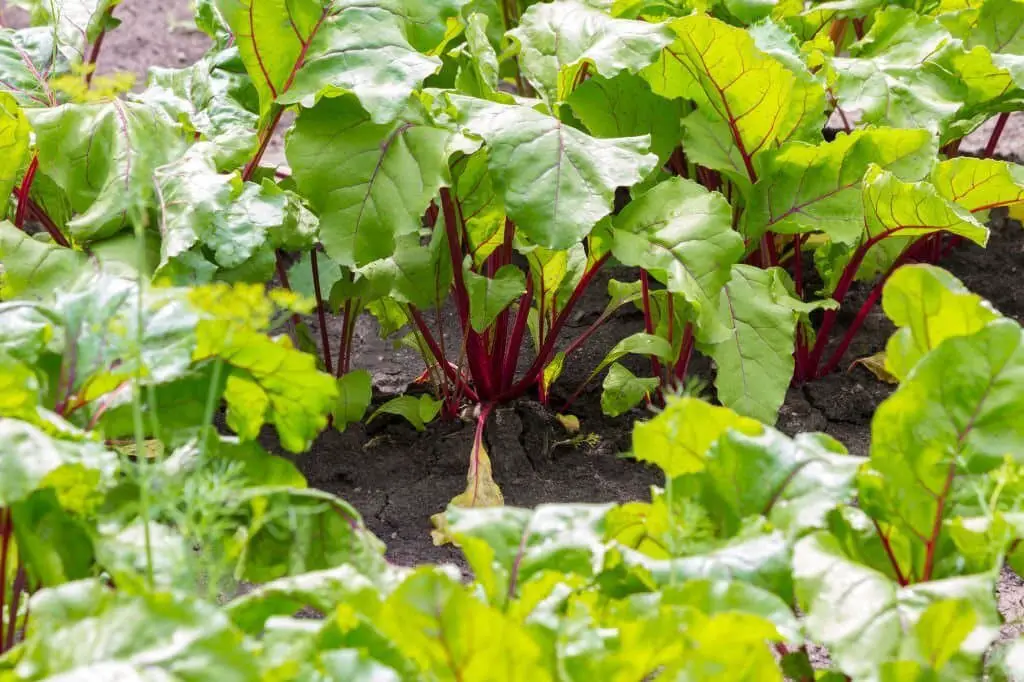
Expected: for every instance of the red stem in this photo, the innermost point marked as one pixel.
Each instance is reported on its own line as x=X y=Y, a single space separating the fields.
x=900 y=578
x=645 y=288
x=6 y=528
x=23 y=192
x=96 y=47
x=282 y=274
x=320 y=312
x=344 y=333
x=442 y=362
x=515 y=342
x=544 y=354
x=933 y=539
x=265 y=136
x=849 y=273
x=16 y=591
x=993 y=141
x=685 y=353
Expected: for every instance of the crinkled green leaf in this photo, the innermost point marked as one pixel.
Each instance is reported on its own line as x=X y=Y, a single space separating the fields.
x=298 y=49
x=682 y=234
x=677 y=439
x=622 y=390
x=86 y=628
x=201 y=97
x=556 y=182
x=508 y=547
x=29 y=58
x=293 y=531
x=122 y=553
x=370 y=183
x=867 y=620
x=557 y=39
x=103 y=155
x=77 y=23
x=817 y=188
x=929 y=306
x=895 y=76
x=31 y=455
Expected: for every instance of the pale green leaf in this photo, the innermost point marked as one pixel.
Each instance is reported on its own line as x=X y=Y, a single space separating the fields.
x=622 y=390
x=355 y=391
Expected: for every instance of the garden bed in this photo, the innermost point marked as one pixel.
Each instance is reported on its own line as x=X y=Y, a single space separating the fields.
x=397 y=476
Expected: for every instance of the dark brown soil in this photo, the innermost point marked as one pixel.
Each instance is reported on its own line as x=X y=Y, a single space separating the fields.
x=398 y=477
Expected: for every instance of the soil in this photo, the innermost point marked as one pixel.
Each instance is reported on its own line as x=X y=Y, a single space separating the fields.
x=397 y=477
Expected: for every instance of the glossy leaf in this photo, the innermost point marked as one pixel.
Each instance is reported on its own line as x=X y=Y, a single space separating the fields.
x=622 y=390
x=867 y=620
x=417 y=411
x=817 y=188
x=678 y=439
x=980 y=185
x=755 y=361
x=28 y=59
x=556 y=182
x=370 y=185
x=557 y=39
x=929 y=306
x=103 y=155
x=682 y=235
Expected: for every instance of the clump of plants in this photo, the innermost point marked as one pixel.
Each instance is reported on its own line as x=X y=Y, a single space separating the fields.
x=493 y=157
x=888 y=563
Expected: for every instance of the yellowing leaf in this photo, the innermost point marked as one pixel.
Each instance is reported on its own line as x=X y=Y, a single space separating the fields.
x=481 y=490
x=876 y=365
x=678 y=439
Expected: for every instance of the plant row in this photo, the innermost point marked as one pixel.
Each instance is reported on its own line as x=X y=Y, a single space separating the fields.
x=759 y=548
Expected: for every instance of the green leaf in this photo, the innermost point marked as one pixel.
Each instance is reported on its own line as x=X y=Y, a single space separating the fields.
x=866 y=620
x=946 y=426
x=682 y=234
x=755 y=360
x=293 y=531
x=418 y=412
x=794 y=483
x=370 y=185
x=622 y=390
x=269 y=382
x=103 y=155
x=355 y=391
x=322 y=590
x=203 y=98
x=440 y=622
x=678 y=439
x=556 y=182
x=980 y=185
x=28 y=58
x=54 y=545
x=298 y=49
x=749 y=98
x=14 y=133
x=123 y=554
x=895 y=76
x=89 y=631
x=30 y=456
x=639 y=344
x=929 y=306
x=557 y=39
x=625 y=106
x=219 y=213
x=488 y=296
x=508 y=547
x=817 y=188
x=77 y=23
x=34 y=269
